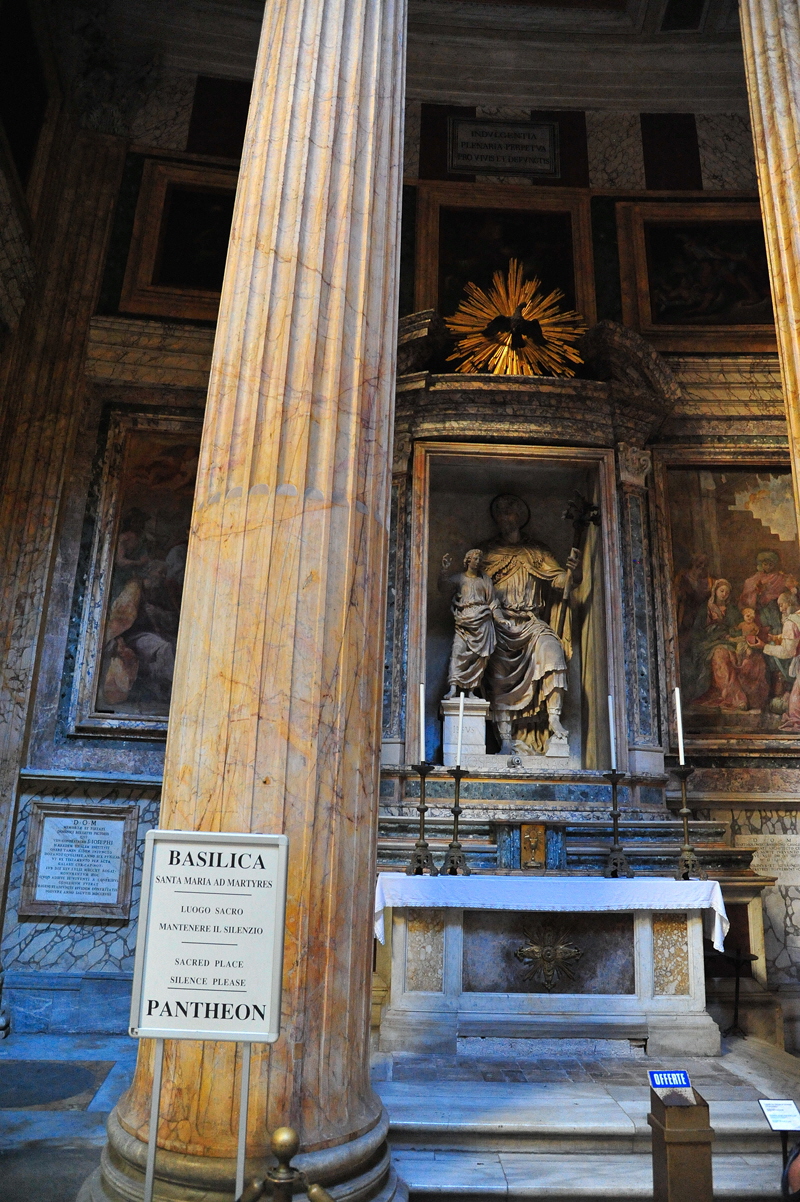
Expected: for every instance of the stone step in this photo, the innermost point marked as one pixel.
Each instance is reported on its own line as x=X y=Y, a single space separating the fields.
x=571 y=1177
x=554 y=1117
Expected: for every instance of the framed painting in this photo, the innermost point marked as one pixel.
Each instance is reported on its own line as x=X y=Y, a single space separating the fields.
x=467 y=232
x=694 y=276
x=79 y=861
x=180 y=241
x=732 y=593
x=129 y=628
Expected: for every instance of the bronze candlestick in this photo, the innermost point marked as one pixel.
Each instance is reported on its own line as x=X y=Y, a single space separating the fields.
x=421 y=857
x=688 y=863
x=616 y=862
x=455 y=861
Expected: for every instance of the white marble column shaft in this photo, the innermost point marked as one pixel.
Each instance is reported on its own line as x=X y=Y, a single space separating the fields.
x=274 y=722
x=771 y=41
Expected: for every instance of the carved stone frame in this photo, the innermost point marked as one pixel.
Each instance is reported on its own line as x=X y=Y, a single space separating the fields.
x=29 y=907
x=139 y=293
x=84 y=718
x=631 y=217
x=756 y=459
x=433 y=195
x=604 y=459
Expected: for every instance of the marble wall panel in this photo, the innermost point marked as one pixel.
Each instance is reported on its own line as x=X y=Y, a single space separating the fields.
x=424 y=950
x=163 y=119
x=605 y=941
x=16 y=261
x=727 y=159
x=75 y=945
x=615 y=150
x=670 y=955
x=411 y=136
x=782 y=902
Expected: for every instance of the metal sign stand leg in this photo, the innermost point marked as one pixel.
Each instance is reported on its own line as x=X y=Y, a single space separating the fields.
x=244 y=1098
x=155 y=1105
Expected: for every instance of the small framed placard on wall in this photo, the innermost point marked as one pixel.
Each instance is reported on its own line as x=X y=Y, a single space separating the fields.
x=79 y=862
x=503 y=147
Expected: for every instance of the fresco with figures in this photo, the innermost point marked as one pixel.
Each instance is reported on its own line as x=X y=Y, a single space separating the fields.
x=736 y=599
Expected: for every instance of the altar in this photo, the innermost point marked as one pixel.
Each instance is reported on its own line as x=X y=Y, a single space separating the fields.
x=509 y=957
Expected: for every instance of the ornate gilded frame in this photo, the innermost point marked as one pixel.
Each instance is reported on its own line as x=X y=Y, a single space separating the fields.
x=84 y=717
x=433 y=195
x=636 y=311
x=139 y=293
x=29 y=907
x=604 y=460
x=712 y=458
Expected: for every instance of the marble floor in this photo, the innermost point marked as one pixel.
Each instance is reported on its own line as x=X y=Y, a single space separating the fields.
x=493 y=1121
x=572 y=1126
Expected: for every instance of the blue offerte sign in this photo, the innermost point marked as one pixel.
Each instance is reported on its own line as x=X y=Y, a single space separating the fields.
x=675 y=1079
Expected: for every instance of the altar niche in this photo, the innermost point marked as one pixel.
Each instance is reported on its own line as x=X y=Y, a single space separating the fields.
x=455 y=486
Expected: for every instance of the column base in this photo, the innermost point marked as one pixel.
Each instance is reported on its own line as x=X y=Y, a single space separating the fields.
x=358 y=1171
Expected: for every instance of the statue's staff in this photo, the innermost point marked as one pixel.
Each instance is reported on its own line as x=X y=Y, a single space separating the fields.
x=582 y=514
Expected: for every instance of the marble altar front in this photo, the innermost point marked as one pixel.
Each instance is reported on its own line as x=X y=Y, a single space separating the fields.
x=555 y=957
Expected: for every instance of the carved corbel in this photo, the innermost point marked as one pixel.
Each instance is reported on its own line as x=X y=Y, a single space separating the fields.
x=634 y=465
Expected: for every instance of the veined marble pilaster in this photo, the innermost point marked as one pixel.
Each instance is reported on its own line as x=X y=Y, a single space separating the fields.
x=641 y=670
x=771 y=41
x=276 y=701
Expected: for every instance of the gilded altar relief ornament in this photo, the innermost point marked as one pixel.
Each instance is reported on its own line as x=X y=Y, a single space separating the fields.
x=549 y=953
x=515 y=330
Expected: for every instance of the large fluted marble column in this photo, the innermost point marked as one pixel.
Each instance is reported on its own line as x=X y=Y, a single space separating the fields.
x=275 y=710
x=771 y=40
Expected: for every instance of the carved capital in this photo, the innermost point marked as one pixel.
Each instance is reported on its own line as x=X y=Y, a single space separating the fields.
x=634 y=464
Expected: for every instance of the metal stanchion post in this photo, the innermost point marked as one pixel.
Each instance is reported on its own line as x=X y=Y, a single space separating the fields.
x=155 y=1106
x=284 y=1182
x=244 y=1099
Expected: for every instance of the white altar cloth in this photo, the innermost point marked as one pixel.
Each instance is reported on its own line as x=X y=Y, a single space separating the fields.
x=565 y=893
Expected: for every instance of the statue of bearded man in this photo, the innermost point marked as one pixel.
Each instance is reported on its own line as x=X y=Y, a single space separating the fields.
x=526 y=679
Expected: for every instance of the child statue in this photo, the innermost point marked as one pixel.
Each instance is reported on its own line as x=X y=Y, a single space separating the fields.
x=474 y=607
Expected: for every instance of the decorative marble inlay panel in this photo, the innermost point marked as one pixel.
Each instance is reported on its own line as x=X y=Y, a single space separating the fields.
x=424 y=950
x=491 y=939
x=615 y=150
x=727 y=158
x=411 y=136
x=670 y=955
x=78 y=944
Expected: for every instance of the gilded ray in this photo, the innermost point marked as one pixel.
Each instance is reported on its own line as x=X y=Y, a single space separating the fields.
x=514 y=330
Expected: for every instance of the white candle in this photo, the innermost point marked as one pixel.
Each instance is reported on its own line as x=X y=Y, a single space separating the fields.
x=460 y=727
x=422 y=723
x=612 y=732
x=679 y=719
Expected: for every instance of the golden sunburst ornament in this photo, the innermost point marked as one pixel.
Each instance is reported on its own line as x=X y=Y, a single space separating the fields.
x=513 y=330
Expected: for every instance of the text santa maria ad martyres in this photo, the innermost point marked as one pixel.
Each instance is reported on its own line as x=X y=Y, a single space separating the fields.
x=211 y=959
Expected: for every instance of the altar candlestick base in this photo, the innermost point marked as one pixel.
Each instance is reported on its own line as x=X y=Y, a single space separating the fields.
x=455 y=860
x=616 y=862
x=689 y=865
x=421 y=857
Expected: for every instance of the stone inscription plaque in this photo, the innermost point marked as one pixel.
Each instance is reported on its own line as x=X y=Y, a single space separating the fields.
x=776 y=855
x=503 y=147
x=79 y=861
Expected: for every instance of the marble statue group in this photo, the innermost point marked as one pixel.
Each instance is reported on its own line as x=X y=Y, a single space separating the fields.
x=503 y=644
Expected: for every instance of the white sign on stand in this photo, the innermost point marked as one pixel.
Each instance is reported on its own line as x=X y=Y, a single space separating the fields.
x=782 y=1115
x=209 y=951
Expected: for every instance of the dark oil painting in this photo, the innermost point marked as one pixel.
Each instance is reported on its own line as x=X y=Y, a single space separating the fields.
x=708 y=273
x=736 y=599
x=146 y=575
x=475 y=243
x=195 y=230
